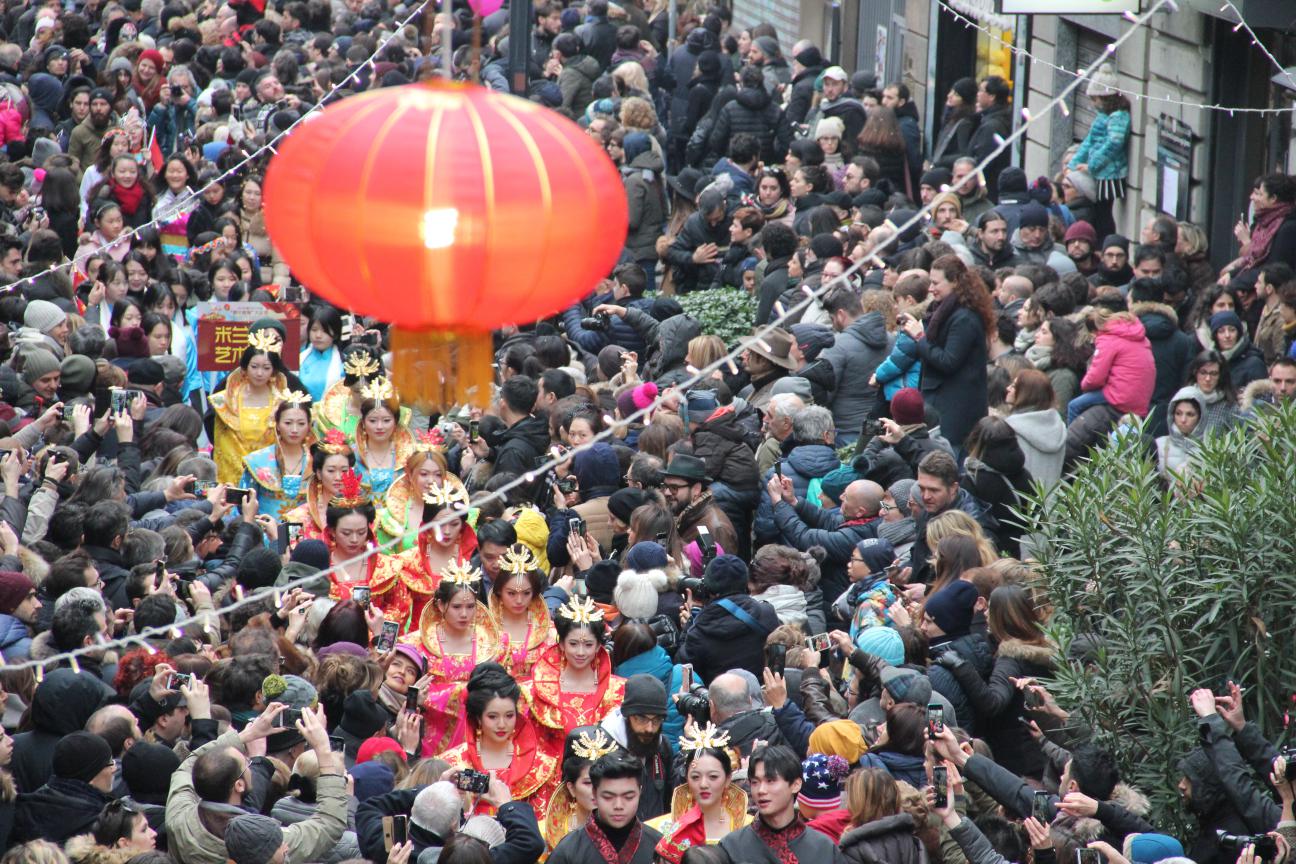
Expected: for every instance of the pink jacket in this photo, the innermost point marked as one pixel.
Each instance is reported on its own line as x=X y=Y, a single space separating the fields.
x=1122 y=365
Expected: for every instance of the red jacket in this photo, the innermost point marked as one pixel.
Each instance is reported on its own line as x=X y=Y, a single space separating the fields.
x=832 y=824
x=1122 y=365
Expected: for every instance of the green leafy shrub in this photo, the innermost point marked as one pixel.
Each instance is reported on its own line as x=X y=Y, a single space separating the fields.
x=1174 y=589
x=726 y=312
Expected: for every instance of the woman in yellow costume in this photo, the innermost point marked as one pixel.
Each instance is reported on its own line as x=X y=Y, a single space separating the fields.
x=709 y=805
x=330 y=459
x=572 y=683
x=402 y=509
x=382 y=443
x=244 y=410
x=456 y=634
x=404 y=583
x=340 y=407
x=281 y=473
x=502 y=740
x=517 y=602
x=572 y=801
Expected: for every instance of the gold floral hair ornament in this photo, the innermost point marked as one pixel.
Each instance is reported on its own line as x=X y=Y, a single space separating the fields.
x=707 y=738
x=379 y=389
x=518 y=560
x=335 y=443
x=361 y=365
x=593 y=747
x=446 y=495
x=581 y=610
x=461 y=573
x=294 y=397
x=265 y=339
x=353 y=494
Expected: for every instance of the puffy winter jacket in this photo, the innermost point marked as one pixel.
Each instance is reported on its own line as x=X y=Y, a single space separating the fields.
x=901 y=369
x=1122 y=365
x=1172 y=351
x=804 y=462
x=576 y=81
x=855 y=355
x=889 y=840
x=755 y=113
x=1106 y=148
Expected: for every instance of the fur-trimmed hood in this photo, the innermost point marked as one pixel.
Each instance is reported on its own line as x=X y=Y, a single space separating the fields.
x=1260 y=390
x=82 y=849
x=1131 y=799
x=1145 y=308
x=1040 y=655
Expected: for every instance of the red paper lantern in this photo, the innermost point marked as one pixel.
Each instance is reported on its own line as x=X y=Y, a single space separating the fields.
x=446 y=209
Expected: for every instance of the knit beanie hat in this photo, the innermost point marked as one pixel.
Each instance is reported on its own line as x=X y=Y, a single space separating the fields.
x=812 y=339
x=951 y=607
x=1103 y=82
x=1034 y=215
x=825 y=246
x=1115 y=240
x=253 y=839
x=821 y=779
x=312 y=553
x=636 y=399
x=644 y=556
x=1151 y=848
x=1081 y=230
x=881 y=641
x=601 y=581
x=147 y=768
x=701 y=404
x=130 y=341
x=907 y=406
x=830 y=127
x=808 y=56
x=1012 y=179
x=37 y=364
x=292 y=690
x=644 y=694
x=842 y=738
x=146 y=372
x=900 y=491
x=966 y=89
x=379 y=744
x=906 y=685
x=1227 y=318
x=727 y=574
x=769 y=46
x=623 y=502
x=372 y=778
x=362 y=715
x=43 y=315
x=78 y=374
x=80 y=756
x=937 y=178
x=14 y=588
x=1084 y=183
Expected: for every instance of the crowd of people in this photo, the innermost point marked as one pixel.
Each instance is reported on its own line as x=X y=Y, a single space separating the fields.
x=664 y=598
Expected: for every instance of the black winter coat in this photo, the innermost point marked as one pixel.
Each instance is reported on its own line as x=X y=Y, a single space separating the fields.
x=58 y=810
x=688 y=274
x=954 y=373
x=1172 y=351
x=803 y=90
x=954 y=141
x=975 y=649
x=109 y=564
x=62 y=704
x=996 y=120
x=519 y=447
x=889 y=840
x=755 y=113
x=717 y=641
x=1247 y=364
x=999 y=478
x=722 y=445
x=771 y=289
x=998 y=703
x=894 y=167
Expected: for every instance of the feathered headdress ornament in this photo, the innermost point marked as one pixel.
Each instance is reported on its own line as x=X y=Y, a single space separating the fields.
x=581 y=610
x=593 y=747
x=379 y=389
x=519 y=560
x=361 y=365
x=265 y=339
x=353 y=494
x=706 y=738
x=294 y=397
x=446 y=495
x=461 y=573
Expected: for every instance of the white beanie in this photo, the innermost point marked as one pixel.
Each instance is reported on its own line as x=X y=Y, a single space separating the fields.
x=1103 y=82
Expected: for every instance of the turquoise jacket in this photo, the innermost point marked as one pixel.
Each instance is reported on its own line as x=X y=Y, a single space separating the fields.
x=1106 y=148
x=901 y=368
x=656 y=662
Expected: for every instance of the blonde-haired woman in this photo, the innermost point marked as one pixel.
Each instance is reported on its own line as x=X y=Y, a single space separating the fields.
x=631 y=80
x=878 y=830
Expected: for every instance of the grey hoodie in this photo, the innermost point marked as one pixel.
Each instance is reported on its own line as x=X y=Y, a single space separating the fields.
x=1042 y=436
x=1175 y=450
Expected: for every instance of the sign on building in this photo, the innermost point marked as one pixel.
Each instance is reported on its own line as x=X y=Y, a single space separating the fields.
x=1068 y=7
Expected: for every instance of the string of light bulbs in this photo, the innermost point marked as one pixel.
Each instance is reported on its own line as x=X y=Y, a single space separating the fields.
x=968 y=22
x=1255 y=40
x=268 y=146
x=203 y=619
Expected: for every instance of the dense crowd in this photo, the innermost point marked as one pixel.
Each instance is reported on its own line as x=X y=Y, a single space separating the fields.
x=664 y=598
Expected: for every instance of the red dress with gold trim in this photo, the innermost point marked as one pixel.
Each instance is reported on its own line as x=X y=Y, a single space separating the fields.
x=446 y=682
x=541 y=635
x=405 y=582
x=558 y=712
x=532 y=775
x=307 y=514
x=340 y=590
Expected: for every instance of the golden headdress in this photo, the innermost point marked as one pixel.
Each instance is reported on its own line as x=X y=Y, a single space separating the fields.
x=361 y=365
x=581 y=610
x=709 y=737
x=593 y=747
x=294 y=397
x=430 y=441
x=447 y=494
x=518 y=560
x=461 y=573
x=379 y=389
x=335 y=443
x=265 y=339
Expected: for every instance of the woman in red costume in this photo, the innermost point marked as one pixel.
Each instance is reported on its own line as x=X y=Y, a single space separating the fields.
x=709 y=805
x=407 y=581
x=331 y=457
x=349 y=535
x=456 y=634
x=517 y=603
x=573 y=684
x=502 y=740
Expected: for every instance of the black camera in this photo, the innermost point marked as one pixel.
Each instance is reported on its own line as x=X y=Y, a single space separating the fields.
x=697 y=586
x=600 y=321
x=476 y=782
x=872 y=429
x=706 y=546
x=696 y=704
x=567 y=485
x=667 y=634
x=1266 y=848
x=1289 y=755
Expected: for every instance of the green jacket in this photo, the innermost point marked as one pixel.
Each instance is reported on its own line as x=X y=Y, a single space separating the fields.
x=310 y=840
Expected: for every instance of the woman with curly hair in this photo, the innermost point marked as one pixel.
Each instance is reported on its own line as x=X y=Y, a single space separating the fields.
x=952 y=345
x=1057 y=352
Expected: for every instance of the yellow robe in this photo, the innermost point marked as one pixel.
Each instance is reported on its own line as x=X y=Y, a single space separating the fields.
x=241 y=429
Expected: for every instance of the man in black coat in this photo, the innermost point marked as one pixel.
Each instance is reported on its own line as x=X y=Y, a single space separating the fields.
x=807 y=66
x=996 y=119
x=754 y=112
x=1172 y=349
x=729 y=631
x=106 y=523
x=694 y=257
x=614 y=825
x=62 y=704
x=71 y=800
x=598 y=35
x=518 y=448
x=637 y=727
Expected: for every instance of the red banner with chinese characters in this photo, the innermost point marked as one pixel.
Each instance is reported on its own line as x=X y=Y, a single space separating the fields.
x=222 y=332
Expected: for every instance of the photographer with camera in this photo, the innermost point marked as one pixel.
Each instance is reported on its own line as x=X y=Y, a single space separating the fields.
x=1230 y=747
x=638 y=727
x=594 y=331
x=896 y=444
x=729 y=632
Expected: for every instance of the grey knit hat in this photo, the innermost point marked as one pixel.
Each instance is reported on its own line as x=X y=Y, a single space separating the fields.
x=43 y=315
x=900 y=491
x=253 y=839
x=37 y=364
